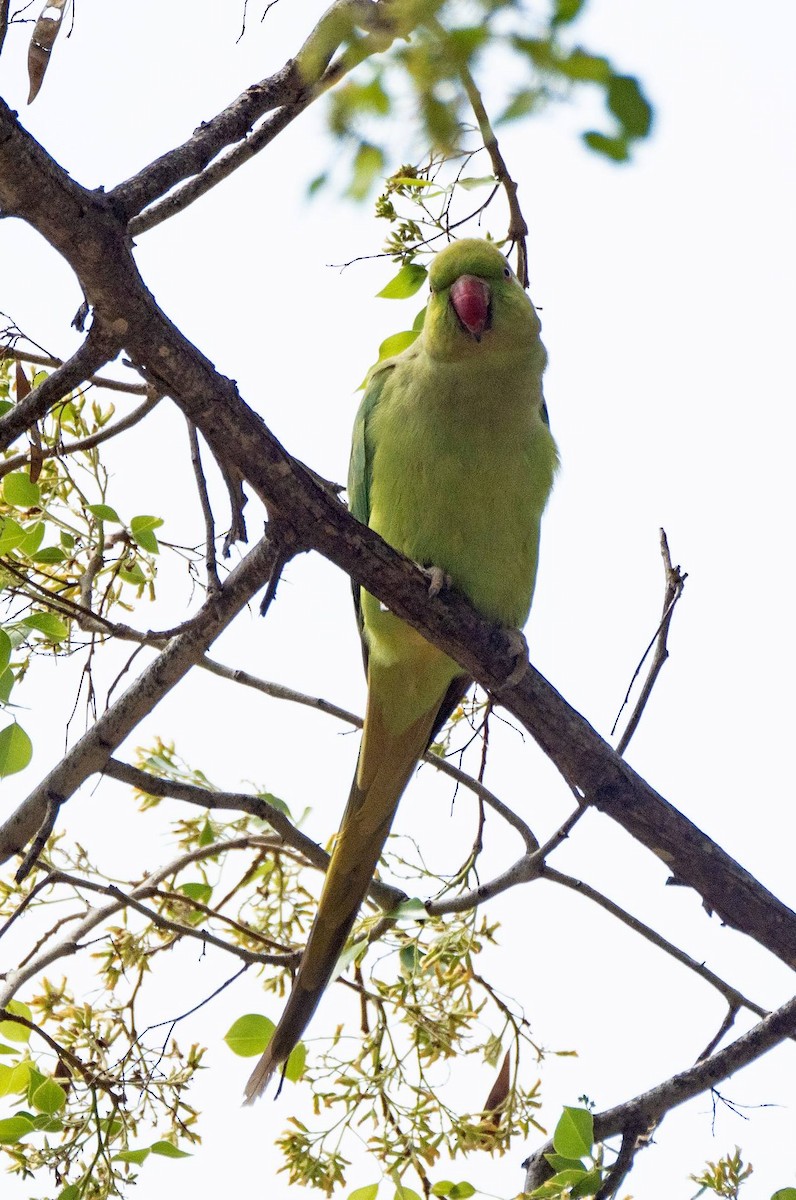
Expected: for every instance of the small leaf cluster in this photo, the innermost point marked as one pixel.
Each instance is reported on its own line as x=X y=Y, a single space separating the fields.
x=576 y=1161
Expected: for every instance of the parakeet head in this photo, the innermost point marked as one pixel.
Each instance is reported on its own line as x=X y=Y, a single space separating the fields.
x=477 y=305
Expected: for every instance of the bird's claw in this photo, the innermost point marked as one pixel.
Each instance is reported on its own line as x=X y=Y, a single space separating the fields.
x=518 y=649
x=438 y=579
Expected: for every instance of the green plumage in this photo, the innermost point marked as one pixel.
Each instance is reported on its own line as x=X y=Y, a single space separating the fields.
x=452 y=463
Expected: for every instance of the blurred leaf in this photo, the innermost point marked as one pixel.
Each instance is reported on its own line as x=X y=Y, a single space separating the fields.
x=249 y=1035
x=614 y=148
x=368 y=166
x=365 y=1193
x=294 y=1067
x=131 y=573
x=396 y=343
x=409 y=280
x=414 y=910
x=7 y=681
x=45 y=31
x=566 y=11
x=521 y=103
x=585 y=68
x=16 y=751
x=627 y=102
x=19 y=492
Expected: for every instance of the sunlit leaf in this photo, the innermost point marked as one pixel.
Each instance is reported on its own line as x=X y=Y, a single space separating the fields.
x=5 y=650
x=365 y=1193
x=104 y=512
x=16 y=751
x=53 y=628
x=249 y=1035
x=19 y=492
x=11 y=534
x=409 y=280
x=197 y=891
x=48 y=1097
x=574 y=1133
x=34 y=536
x=14 y=1128
x=167 y=1150
x=12 y=1030
x=141 y=529
x=132 y=1156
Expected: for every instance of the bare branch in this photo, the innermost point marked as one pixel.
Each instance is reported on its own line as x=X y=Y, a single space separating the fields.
x=99 y=381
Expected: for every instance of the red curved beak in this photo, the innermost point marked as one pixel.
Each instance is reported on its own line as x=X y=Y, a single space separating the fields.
x=470 y=298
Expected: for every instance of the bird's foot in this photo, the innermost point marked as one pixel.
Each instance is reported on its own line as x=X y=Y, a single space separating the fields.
x=518 y=649
x=438 y=579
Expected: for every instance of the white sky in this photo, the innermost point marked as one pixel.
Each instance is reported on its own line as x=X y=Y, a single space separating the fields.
x=667 y=303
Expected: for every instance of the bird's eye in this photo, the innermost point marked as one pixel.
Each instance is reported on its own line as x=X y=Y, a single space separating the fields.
x=507 y=271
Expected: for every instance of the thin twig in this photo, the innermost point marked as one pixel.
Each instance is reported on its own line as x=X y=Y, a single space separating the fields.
x=100 y=381
x=213 y=581
x=675 y=582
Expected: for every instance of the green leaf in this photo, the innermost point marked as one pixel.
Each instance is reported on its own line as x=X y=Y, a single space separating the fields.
x=70 y=1192
x=5 y=650
x=521 y=103
x=366 y=1193
x=787 y=1193
x=566 y=11
x=19 y=492
x=588 y=1185
x=574 y=1133
x=559 y=1163
x=442 y=1188
x=48 y=1097
x=294 y=1067
x=167 y=1150
x=132 y=574
x=16 y=751
x=11 y=534
x=409 y=958
x=368 y=165
x=409 y=910
x=207 y=836
x=131 y=1156
x=44 y=1123
x=396 y=343
x=627 y=102
x=67 y=541
x=53 y=628
x=404 y=1193
x=420 y=319
x=14 y=1128
x=34 y=536
x=104 y=512
x=471 y=183
x=249 y=1035
x=614 y=148
x=197 y=891
x=141 y=529
x=50 y=554
x=7 y=680
x=461 y=1191
x=585 y=68
x=409 y=280
x=5 y=406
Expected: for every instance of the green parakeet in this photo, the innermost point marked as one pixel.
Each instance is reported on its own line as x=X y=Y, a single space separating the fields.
x=452 y=463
